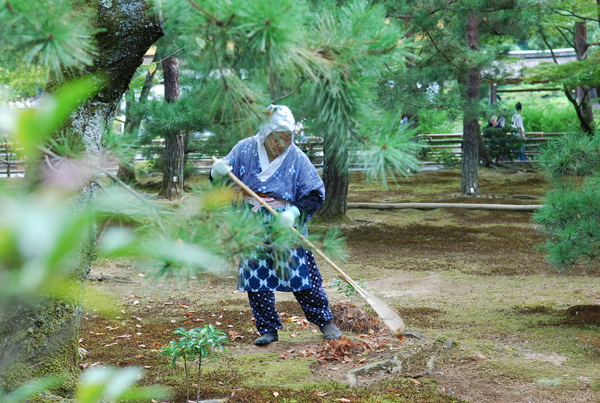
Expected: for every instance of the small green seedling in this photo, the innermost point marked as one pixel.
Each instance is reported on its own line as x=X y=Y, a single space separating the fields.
x=347 y=289
x=197 y=343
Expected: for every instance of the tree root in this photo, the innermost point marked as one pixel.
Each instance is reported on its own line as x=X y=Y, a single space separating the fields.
x=395 y=364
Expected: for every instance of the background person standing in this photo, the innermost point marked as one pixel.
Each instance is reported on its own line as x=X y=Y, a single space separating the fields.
x=517 y=122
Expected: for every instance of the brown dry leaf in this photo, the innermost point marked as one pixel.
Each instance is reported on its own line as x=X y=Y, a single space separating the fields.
x=415 y=382
x=233 y=335
x=283 y=355
x=320 y=394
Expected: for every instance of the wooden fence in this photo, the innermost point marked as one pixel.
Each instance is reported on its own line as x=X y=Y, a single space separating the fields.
x=436 y=145
x=10 y=162
x=451 y=143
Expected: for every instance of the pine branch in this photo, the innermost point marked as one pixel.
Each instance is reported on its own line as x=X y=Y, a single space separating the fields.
x=49 y=153
x=451 y=62
x=566 y=13
x=565 y=37
x=545 y=39
x=209 y=15
x=292 y=92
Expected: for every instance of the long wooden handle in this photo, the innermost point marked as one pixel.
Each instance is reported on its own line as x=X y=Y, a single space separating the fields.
x=259 y=199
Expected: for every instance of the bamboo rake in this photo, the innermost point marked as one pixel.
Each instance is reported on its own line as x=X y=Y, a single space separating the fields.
x=392 y=320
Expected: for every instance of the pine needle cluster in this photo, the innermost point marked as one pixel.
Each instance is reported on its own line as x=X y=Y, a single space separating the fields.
x=570 y=215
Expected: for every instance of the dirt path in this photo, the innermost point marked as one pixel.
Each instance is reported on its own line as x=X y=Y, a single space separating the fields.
x=491 y=321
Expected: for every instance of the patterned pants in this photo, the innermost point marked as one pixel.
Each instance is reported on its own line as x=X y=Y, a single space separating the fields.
x=314 y=303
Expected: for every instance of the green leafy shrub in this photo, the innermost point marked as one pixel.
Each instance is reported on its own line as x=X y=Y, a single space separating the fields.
x=347 y=289
x=501 y=143
x=197 y=343
x=447 y=158
x=438 y=121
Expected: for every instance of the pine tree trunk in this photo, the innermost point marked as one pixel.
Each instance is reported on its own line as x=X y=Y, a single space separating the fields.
x=335 y=177
x=471 y=131
x=586 y=115
x=172 y=183
x=40 y=336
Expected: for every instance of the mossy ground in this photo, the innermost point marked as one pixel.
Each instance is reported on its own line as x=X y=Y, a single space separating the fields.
x=499 y=324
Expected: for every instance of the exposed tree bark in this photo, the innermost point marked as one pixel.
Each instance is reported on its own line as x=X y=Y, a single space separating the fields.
x=172 y=183
x=471 y=130
x=585 y=113
x=40 y=336
x=335 y=177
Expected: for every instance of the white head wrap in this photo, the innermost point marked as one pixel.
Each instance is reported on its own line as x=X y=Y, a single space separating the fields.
x=281 y=120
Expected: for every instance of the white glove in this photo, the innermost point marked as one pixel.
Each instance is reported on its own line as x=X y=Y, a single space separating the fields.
x=220 y=168
x=288 y=217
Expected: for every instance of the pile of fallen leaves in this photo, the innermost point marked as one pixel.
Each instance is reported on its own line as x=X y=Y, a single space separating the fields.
x=352 y=318
x=345 y=350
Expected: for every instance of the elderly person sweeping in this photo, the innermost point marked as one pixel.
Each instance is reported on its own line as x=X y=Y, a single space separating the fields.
x=271 y=165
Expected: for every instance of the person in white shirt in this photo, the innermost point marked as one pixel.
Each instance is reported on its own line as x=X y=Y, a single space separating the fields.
x=517 y=122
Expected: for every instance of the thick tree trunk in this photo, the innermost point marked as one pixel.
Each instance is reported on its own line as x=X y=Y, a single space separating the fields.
x=335 y=177
x=471 y=131
x=585 y=114
x=172 y=183
x=40 y=336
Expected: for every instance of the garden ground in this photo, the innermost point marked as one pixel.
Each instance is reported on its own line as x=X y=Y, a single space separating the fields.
x=488 y=319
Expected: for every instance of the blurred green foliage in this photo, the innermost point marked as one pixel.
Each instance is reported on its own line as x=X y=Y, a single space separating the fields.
x=570 y=216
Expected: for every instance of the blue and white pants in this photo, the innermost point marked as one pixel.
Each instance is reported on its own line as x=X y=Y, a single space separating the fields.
x=313 y=301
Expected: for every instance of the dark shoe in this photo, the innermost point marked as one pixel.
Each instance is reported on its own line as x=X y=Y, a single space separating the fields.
x=266 y=338
x=330 y=331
